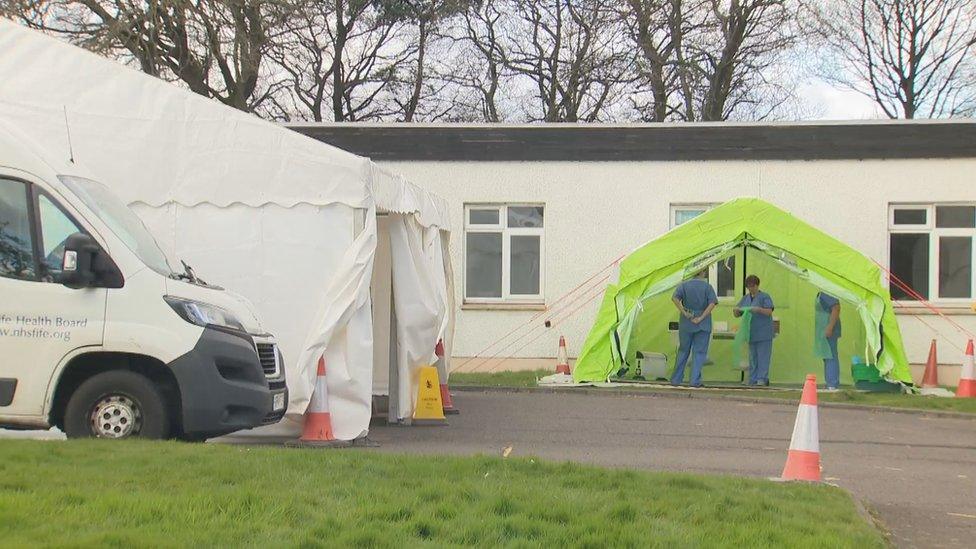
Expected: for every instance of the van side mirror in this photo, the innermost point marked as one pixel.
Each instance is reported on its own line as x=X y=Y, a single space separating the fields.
x=86 y=264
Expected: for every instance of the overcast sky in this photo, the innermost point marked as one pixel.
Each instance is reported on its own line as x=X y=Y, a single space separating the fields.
x=836 y=104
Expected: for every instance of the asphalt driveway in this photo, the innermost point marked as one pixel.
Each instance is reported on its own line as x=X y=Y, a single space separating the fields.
x=917 y=472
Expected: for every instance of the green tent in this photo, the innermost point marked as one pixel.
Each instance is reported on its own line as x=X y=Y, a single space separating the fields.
x=794 y=261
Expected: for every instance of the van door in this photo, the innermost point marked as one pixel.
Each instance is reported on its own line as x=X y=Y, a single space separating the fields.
x=41 y=321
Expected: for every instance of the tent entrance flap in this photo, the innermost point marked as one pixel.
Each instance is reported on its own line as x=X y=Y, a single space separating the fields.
x=650 y=324
x=681 y=272
x=794 y=260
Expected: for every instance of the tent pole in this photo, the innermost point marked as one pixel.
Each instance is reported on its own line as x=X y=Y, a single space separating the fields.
x=745 y=273
x=745 y=266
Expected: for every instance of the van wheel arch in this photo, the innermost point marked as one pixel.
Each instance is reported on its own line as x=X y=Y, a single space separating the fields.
x=85 y=366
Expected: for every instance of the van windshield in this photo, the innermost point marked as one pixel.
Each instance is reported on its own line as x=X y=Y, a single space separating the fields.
x=121 y=220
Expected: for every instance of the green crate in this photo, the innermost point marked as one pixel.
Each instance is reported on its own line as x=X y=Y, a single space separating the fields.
x=877 y=386
x=865 y=372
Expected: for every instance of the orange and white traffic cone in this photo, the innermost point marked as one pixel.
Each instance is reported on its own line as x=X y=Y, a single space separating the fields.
x=446 y=401
x=967 y=378
x=930 y=379
x=803 y=460
x=317 y=427
x=562 y=359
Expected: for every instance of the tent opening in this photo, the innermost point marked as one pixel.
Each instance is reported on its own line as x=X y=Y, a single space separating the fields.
x=651 y=326
x=794 y=261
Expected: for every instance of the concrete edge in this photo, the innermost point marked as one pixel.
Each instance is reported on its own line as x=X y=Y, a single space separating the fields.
x=870 y=516
x=608 y=391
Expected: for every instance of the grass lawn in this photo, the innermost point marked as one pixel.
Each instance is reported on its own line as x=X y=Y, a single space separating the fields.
x=498 y=379
x=98 y=493
x=528 y=379
x=891 y=400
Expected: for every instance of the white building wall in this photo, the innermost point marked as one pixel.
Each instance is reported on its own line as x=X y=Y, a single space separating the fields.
x=598 y=211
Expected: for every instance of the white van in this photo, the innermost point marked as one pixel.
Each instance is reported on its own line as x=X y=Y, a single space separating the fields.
x=101 y=334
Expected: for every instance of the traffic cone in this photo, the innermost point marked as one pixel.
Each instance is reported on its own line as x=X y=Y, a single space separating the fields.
x=317 y=427
x=967 y=378
x=803 y=460
x=446 y=399
x=931 y=377
x=562 y=360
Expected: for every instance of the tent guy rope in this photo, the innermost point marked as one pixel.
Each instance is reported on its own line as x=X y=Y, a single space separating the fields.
x=550 y=309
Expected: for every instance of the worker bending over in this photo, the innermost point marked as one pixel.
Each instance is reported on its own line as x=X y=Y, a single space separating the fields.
x=760 y=331
x=695 y=300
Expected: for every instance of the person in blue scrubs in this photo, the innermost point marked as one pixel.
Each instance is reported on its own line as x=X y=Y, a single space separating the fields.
x=828 y=306
x=761 y=330
x=695 y=300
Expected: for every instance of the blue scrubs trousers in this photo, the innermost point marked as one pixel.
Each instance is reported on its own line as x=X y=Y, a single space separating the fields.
x=759 y=354
x=832 y=365
x=691 y=344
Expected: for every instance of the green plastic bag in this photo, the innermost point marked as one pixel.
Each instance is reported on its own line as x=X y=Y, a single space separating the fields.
x=740 y=345
x=821 y=348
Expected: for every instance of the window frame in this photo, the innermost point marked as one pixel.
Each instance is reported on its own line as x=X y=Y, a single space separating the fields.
x=934 y=234
x=32 y=217
x=713 y=268
x=39 y=241
x=33 y=194
x=687 y=207
x=507 y=232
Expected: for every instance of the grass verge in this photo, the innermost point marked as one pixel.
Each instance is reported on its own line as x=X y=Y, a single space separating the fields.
x=498 y=379
x=890 y=400
x=98 y=493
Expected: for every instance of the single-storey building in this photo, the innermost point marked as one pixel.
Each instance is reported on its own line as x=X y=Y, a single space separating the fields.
x=541 y=213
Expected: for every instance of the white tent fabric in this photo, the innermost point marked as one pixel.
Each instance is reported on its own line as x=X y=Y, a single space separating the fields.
x=416 y=252
x=394 y=194
x=305 y=270
x=121 y=121
x=278 y=217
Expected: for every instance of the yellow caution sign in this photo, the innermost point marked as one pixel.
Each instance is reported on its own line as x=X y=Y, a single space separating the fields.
x=430 y=409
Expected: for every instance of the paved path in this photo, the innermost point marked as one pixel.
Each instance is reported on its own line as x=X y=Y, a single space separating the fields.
x=917 y=472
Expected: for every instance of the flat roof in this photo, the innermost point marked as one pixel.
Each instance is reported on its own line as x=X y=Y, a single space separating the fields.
x=852 y=140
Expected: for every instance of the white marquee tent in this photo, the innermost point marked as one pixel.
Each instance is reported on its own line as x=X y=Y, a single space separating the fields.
x=292 y=224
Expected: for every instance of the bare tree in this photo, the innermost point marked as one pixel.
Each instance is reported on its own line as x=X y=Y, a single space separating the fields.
x=914 y=58
x=340 y=58
x=712 y=59
x=480 y=60
x=215 y=47
x=659 y=29
x=458 y=60
x=749 y=36
x=572 y=54
x=421 y=83
x=647 y=23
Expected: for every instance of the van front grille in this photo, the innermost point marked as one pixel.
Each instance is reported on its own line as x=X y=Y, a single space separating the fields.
x=268 y=355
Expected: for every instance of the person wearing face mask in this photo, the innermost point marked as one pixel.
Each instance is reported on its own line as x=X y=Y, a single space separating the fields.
x=760 y=305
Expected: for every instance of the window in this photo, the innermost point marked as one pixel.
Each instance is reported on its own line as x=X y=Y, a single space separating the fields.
x=121 y=220
x=930 y=249
x=721 y=275
x=503 y=253
x=16 y=244
x=56 y=227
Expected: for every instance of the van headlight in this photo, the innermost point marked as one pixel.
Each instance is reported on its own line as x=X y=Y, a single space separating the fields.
x=203 y=314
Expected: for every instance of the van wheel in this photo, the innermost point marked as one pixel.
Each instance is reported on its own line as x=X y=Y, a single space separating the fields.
x=116 y=404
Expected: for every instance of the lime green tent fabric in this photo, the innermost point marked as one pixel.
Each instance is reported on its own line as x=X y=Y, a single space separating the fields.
x=774 y=239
